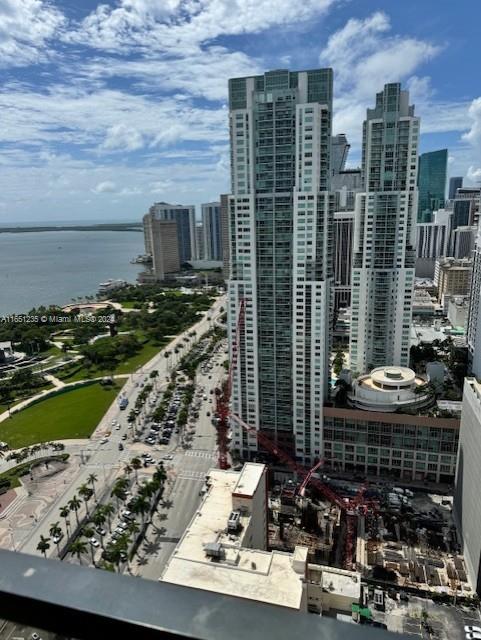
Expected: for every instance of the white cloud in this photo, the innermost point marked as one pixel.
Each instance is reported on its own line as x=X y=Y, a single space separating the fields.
x=26 y=26
x=474 y=175
x=121 y=137
x=179 y=26
x=473 y=136
x=105 y=187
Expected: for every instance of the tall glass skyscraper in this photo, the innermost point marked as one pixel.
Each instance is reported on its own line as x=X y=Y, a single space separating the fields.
x=384 y=234
x=212 y=231
x=431 y=183
x=455 y=183
x=281 y=226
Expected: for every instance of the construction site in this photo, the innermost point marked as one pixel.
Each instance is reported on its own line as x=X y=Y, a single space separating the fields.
x=400 y=538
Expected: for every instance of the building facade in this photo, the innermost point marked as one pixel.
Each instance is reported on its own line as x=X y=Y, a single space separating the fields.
x=339 y=151
x=431 y=183
x=280 y=233
x=200 y=246
x=212 y=231
x=165 y=250
x=224 y=225
x=408 y=447
x=432 y=242
x=467 y=496
x=452 y=277
x=343 y=237
x=384 y=234
x=184 y=216
x=473 y=332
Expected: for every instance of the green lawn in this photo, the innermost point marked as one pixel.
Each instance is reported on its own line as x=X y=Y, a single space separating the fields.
x=131 y=304
x=74 y=414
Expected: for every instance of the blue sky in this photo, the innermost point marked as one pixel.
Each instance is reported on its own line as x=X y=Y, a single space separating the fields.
x=109 y=106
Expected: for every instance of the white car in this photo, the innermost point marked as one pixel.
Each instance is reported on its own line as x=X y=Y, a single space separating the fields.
x=104 y=440
x=94 y=542
x=473 y=636
x=169 y=456
x=472 y=629
x=117 y=426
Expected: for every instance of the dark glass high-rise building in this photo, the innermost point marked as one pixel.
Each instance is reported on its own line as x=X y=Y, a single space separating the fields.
x=454 y=184
x=431 y=183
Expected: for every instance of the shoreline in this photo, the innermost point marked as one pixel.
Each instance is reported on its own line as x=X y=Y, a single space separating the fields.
x=120 y=226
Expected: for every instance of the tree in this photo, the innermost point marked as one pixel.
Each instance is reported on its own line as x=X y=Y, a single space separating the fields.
x=85 y=493
x=78 y=547
x=88 y=532
x=64 y=513
x=43 y=545
x=140 y=505
x=136 y=464
x=118 y=492
x=92 y=479
x=99 y=520
x=74 y=505
x=108 y=510
x=55 y=531
x=338 y=362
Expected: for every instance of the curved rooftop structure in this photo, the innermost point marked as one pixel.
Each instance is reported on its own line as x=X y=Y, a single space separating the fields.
x=390 y=389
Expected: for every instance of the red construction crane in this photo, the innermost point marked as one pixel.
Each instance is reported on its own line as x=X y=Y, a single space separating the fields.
x=351 y=507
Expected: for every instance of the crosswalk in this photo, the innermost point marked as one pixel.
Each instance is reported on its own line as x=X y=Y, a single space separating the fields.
x=198 y=453
x=187 y=474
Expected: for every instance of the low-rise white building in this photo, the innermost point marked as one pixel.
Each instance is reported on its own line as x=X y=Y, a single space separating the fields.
x=224 y=550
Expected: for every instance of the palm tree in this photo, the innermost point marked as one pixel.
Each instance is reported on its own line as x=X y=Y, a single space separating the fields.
x=133 y=527
x=99 y=520
x=128 y=469
x=78 y=547
x=43 y=545
x=64 y=513
x=140 y=505
x=136 y=464
x=108 y=511
x=74 y=505
x=92 y=479
x=118 y=492
x=88 y=532
x=146 y=490
x=55 y=531
x=86 y=493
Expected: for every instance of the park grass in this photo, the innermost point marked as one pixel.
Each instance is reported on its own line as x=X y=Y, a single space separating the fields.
x=80 y=372
x=73 y=414
x=131 y=304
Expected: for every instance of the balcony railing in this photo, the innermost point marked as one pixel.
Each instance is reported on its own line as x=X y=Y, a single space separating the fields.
x=78 y=602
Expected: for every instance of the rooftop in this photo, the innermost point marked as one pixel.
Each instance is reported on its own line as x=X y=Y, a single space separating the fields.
x=238 y=571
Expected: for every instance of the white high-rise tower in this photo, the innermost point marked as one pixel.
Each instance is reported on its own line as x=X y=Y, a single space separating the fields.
x=280 y=235
x=384 y=237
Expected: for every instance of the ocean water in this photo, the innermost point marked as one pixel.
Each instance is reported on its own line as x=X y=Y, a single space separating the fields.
x=52 y=267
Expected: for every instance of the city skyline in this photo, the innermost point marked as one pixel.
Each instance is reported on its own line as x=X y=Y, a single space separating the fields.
x=94 y=127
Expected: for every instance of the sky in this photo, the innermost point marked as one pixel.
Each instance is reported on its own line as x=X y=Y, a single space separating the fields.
x=107 y=107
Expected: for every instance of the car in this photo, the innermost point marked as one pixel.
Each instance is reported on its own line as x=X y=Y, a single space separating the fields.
x=116 y=535
x=94 y=542
x=121 y=446
x=149 y=441
x=124 y=436
x=117 y=427
x=101 y=531
x=204 y=397
x=472 y=629
x=35 y=636
x=169 y=456
x=126 y=513
x=145 y=454
x=164 y=441
x=123 y=526
x=56 y=539
x=104 y=440
x=119 y=531
x=123 y=556
x=114 y=422
x=473 y=636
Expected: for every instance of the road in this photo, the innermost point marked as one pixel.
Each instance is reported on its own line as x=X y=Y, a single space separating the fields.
x=187 y=471
x=105 y=460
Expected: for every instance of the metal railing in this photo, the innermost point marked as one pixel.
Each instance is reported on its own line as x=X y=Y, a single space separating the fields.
x=83 y=603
